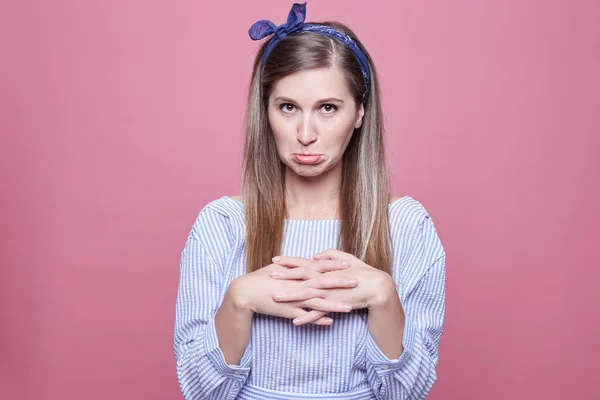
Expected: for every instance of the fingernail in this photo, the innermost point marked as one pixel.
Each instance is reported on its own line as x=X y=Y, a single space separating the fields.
x=275 y=259
x=352 y=282
x=275 y=274
x=347 y=307
x=296 y=321
x=278 y=296
x=345 y=263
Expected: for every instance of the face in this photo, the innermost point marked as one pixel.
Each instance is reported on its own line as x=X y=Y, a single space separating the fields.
x=313 y=116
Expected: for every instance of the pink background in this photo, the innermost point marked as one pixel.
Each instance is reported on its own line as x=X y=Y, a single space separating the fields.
x=120 y=120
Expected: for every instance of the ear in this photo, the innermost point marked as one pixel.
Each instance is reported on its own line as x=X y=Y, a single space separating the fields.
x=361 y=112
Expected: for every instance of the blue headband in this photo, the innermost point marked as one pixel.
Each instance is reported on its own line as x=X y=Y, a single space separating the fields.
x=295 y=23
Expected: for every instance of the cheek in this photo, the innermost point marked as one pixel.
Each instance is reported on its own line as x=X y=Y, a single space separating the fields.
x=281 y=133
x=278 y=123
x=342 y=137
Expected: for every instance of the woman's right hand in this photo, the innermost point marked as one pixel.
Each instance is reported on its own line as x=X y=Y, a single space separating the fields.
x=254 y=291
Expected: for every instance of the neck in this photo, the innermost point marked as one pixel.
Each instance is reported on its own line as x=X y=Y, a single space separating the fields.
x=313 y=197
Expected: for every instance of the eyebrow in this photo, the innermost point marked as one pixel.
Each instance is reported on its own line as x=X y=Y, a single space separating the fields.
x=318 y=101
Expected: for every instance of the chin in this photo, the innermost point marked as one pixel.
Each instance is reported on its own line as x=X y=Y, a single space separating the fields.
x=308 y=170
x=305 y=172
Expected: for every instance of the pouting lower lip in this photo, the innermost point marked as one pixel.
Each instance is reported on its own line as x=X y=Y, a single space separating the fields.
x=312 y=159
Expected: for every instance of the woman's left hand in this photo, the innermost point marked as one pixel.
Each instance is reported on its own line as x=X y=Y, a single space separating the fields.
x=374 y=285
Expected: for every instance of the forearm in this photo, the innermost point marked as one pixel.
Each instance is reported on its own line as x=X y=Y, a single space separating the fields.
x=386 y=321
x=233 y=323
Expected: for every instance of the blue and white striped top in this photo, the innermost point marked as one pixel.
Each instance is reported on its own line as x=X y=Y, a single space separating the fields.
x=283 y=361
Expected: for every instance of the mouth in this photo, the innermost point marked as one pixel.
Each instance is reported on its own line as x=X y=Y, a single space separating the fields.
x=308 y=158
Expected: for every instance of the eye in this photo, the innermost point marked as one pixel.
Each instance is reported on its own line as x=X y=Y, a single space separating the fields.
x=283 y=106
x=332 y=107
x=287 y=108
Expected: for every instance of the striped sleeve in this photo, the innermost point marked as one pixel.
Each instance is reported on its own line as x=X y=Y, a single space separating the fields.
x=413 y=374
x=201 y=367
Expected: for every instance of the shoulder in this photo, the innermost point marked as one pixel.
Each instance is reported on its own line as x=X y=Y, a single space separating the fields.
x=416 y=242
x=219 y=225
x=407 y=214
x=228 y=207
x=412 y=227
x=393 y=199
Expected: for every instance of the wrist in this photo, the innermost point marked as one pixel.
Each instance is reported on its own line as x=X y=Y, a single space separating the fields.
x=386 y=293
x=237 y=299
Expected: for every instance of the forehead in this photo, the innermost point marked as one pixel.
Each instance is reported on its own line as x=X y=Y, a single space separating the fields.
x=312 y=84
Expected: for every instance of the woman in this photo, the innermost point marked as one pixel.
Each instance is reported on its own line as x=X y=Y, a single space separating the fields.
x=352 y=306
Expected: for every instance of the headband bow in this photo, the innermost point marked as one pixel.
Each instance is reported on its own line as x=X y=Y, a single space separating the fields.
x=295 y=23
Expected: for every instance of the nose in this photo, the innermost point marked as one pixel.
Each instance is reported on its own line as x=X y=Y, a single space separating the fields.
x=306 y=132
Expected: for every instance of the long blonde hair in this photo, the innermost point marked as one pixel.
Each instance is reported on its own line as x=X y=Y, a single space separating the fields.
x=364 y=191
